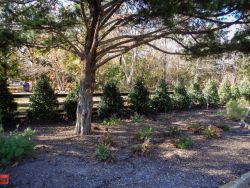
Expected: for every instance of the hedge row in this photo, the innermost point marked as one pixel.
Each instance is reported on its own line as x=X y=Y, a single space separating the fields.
x=44 y=102
x=182 y=98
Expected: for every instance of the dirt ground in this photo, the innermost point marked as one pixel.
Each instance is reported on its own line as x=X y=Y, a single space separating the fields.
x=65 y=160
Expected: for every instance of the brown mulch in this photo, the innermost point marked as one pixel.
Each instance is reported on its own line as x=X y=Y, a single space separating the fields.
x=208 y=163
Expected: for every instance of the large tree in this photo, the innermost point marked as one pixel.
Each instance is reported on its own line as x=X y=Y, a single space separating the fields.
x=95 y=30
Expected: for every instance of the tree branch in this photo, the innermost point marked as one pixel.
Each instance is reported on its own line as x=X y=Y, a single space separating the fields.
x=74 y=47
x=164 y=51
x=83 y=14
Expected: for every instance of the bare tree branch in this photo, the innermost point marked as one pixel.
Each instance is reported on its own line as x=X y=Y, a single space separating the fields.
x=165 y=51
x=83 y=14
x=77 y=51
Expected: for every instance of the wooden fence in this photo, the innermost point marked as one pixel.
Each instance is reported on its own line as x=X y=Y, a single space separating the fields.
x=22 y=100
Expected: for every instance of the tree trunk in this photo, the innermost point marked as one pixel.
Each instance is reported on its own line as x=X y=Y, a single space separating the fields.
x=85 y=102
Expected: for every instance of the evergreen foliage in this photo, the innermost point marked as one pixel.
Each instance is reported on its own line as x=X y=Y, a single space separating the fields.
x=184 y=142
x=15 y=146
x=236 y=111
x=70 y=104
x=111 y=101
x=196 y=96
x=139 y=97
x=161 y=101
x=210 y=93
x=180 y=97
x=244 y=88
x=224 y=92
x=235 y=92
x=43 y=100
x=103 y=152
x=7 y=104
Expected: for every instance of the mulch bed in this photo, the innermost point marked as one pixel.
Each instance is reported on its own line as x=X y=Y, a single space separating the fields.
x=208 y=162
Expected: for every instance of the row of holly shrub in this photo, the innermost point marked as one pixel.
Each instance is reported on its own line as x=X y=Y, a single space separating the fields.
x=44 y=102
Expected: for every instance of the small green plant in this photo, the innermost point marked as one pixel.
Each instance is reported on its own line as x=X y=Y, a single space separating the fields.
x=111 y=121
x=184 y=142
x=142 y=148
x=137 y=118
x=107 y=140
x=173 y=131
x=210 y=132
x=236 y=111
x=15 y=146
x=144 y=133
x=222 y=125
x=196 y=128
x=103 y=152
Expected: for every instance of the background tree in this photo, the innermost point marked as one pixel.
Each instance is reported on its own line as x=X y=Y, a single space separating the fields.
x=111 y=72
x=9 y=67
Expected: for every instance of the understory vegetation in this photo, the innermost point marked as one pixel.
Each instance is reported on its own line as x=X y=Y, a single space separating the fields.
x=112 y=121
x=211 y=94
x=112 y=80
x=111 y=101
x=15 y=146
x=7 y=105
x=70 y=104
x=161 y=101
x=237 y=109
x=43 y=102
x=165 y=99
x=139 y=97
x=184 y=142
x=102 y=152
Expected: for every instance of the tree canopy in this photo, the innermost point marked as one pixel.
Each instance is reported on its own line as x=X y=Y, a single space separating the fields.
x=69 y=24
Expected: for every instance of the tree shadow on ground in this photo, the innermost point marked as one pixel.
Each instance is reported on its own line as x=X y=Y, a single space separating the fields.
x=208 y=163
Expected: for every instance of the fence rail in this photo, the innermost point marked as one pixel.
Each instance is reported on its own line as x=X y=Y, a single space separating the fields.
x=23 y=102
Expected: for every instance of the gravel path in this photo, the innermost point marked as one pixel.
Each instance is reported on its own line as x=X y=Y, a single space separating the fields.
x=209 y=163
